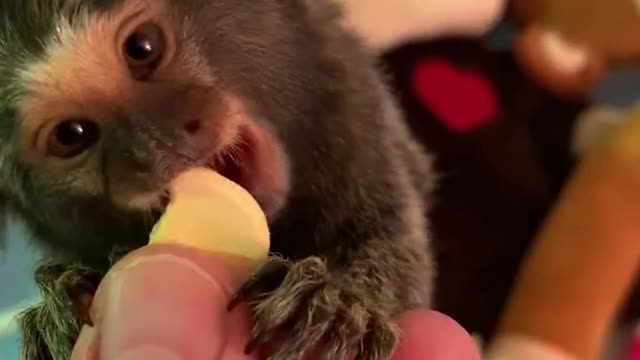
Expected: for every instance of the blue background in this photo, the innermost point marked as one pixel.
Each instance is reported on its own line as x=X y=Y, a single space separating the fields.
x=16 y=288
x=16 y=285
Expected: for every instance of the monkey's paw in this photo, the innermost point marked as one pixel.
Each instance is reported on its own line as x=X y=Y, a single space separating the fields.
x=50 y=328
x=299 y=308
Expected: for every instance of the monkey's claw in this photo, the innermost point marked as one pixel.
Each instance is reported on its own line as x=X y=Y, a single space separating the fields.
x=299 y=308
x=266 y=279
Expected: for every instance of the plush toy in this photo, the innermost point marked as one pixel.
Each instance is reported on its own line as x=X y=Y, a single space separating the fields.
x=385 y=23
x=590 y=128
x=569 y=45
x=592 y=125
x=584 y=262
x=503 y=157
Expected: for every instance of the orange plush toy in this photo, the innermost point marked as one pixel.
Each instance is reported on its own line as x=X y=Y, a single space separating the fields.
x=585 y=260
x=569 y=45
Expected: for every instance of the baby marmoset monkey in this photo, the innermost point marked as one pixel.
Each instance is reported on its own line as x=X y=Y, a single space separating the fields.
x=103 y=102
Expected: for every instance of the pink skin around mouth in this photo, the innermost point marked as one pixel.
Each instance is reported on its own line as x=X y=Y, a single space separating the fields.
x=249 y=156
x=253 y=160
x=238 y=162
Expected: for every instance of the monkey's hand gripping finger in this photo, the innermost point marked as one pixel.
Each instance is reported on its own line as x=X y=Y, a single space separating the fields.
x=51 y=327
x=300 y=308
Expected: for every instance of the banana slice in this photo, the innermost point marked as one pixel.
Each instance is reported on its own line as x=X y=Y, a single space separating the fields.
x=212 y=213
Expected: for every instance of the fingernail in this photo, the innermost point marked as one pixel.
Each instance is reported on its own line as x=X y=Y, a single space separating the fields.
x=149 y=352
x=162 y=302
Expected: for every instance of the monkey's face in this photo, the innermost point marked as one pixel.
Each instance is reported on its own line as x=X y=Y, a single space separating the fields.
x=104 y=103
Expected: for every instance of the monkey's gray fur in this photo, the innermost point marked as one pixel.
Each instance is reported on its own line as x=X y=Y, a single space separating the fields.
x=350 y=227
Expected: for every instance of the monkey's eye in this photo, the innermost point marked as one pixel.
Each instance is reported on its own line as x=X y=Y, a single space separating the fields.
x=144 y=48
x=71 y=138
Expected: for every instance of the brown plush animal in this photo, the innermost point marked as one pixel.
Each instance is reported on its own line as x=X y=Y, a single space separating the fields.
x=584 y=263
x=568 y=46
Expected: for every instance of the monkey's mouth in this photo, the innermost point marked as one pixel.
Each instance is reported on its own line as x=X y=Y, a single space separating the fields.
x=254 y=161
x=238 y=161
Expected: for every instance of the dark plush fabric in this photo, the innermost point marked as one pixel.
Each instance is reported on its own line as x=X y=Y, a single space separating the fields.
x=498 y=177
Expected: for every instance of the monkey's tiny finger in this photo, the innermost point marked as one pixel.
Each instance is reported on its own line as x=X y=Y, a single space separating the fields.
x=265 y=279
x=305 y=337
x=263 y=333
x=246 y=291
x=382 y=338
x=345 y=338
x=81 y=296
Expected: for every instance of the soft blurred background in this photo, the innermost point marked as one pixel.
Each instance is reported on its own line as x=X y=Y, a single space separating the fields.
x=16 y=285
x=16 y=288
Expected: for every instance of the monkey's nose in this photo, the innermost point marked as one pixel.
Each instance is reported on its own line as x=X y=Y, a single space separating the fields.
x=192 y=126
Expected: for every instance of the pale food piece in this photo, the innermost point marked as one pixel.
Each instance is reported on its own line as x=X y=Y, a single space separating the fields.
x=212 y=213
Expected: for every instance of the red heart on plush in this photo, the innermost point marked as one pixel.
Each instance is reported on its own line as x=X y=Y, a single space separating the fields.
x=462 y=100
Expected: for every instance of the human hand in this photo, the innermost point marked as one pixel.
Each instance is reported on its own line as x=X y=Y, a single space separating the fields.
x=169 y=303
